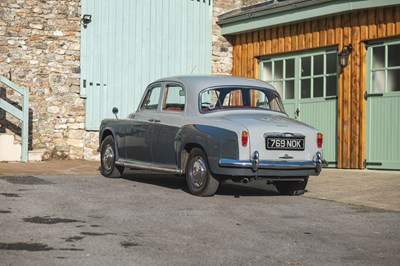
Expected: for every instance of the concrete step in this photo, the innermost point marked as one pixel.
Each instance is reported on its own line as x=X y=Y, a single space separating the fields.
x=36 y=155
x=10 y=150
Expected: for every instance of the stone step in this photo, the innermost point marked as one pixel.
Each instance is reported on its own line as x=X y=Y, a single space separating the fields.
x=10 y=150
x=36 y=155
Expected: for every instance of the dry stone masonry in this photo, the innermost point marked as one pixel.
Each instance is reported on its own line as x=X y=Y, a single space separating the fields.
x=40 y=51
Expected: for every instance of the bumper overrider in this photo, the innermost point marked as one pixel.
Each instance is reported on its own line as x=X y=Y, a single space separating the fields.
x=255 y=167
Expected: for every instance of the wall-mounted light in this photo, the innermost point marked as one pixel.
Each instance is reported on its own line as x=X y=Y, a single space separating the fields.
x=344 y=55
x=86 y=19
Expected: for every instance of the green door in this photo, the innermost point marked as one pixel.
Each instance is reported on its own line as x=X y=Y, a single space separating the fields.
x=383 y=104
x=307 y=82
x=127 y=44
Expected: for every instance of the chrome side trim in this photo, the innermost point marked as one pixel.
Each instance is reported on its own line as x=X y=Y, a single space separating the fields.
x=147 y=166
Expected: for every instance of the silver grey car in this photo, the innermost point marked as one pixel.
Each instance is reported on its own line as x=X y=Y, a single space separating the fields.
x=210 y=129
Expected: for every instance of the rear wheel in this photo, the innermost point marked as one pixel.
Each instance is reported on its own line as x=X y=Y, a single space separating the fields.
x=291 y=188
x=107 y=159
x=198 y=177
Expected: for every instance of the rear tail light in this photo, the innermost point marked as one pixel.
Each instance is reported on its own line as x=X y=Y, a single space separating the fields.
x=320 y=140
x=245 y=138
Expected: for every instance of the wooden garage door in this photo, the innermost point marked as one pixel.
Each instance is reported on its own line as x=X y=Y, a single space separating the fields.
x=383 y=104
x=307 y=83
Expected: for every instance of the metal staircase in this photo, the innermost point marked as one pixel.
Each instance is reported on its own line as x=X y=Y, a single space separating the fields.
x=22 y=115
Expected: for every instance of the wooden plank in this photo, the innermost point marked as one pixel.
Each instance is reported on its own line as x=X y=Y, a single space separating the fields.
x=243 y=41
x=372 y=28
x=281 y=40
x=322 y=32
x=363 y=85
x=355 y=93
x=380 y=17
x=288 y=39
x=389 y=20
x=397 y=19
x=263 y=47
x=256 y=41
x=250 y=55
x=274 y=38
x=308 y=34
x=256 y=52
x=237 y=56
x=337 y=36
x=294 y=37
x=315 y=33
x=330 y=30
x=346 y=105
x=302 y=37
x=268 y=41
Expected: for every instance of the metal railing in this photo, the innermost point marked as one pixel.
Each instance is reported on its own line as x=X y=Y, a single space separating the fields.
x=22 y=115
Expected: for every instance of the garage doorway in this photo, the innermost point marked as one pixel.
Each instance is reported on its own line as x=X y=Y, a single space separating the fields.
x=307 y=83
x=383 y=104
x=126 y=44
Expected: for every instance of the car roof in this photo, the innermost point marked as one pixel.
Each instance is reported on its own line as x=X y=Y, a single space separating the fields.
x=198 y=83
x=195 y=84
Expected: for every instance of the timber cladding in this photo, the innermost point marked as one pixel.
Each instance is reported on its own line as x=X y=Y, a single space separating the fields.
x=343 y=29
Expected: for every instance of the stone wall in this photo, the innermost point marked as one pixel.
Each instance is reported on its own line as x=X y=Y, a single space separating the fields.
x=40 y=51
x=222 y=45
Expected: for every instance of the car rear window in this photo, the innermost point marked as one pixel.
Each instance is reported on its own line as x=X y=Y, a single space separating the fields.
x=227 y=98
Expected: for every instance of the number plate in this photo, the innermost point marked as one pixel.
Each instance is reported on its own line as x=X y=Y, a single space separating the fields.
x=273 y=143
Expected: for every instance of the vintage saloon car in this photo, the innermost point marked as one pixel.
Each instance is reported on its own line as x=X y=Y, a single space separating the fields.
x=210 y=129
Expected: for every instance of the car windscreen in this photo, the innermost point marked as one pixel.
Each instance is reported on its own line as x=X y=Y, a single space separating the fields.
x=225 y=98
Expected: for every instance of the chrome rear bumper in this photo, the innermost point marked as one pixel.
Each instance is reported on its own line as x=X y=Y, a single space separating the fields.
x=255 y=164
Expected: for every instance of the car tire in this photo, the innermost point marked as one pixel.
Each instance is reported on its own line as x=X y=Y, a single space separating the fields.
x=198 y=176
x=292 y=188
x=107 y=159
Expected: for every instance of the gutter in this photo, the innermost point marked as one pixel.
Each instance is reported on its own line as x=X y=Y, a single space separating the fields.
x=265 y=8
x=277 y=13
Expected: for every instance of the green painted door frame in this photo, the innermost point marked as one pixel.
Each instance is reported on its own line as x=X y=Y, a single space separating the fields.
x=383 y=104
x=307 y=82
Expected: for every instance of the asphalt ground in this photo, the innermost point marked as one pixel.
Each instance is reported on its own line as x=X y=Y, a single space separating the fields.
x=370 y=188
x=66 y=213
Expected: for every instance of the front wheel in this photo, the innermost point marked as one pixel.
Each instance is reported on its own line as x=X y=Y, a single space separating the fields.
x=291 y=188
x=198 y=176
x=107 y=158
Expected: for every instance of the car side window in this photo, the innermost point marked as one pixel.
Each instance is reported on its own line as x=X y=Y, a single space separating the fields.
x=152 y=98
x=174 y=98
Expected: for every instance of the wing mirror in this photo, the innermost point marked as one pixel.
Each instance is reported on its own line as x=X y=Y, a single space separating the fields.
x=115 y=112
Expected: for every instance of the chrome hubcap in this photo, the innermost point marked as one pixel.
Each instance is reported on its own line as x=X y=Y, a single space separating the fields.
x=108 y=158
x=198 y=174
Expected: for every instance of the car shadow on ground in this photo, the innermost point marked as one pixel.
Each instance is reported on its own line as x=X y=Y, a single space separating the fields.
x=227 y=188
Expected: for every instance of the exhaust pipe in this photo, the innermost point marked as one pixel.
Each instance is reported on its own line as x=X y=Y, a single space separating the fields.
x=245 y=180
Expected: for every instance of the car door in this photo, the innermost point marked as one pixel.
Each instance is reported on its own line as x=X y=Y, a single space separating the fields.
x=164 y=130
x=140 y=125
